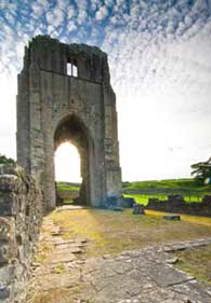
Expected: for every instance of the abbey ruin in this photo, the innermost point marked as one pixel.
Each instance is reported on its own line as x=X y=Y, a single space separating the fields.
x=64 y=94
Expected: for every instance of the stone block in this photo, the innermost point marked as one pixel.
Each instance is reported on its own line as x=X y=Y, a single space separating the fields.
x=172 y=217
x=8 y=183
x=7 y=204
x=126 y=202
x=4 y=293
x=138 y=209
x=6 y=274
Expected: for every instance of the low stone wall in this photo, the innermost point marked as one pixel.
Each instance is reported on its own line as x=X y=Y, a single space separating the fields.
x=176 y=204
x=20 y=220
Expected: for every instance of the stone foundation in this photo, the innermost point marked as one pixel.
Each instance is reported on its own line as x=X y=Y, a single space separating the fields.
x=20 y=220
x=176 y=204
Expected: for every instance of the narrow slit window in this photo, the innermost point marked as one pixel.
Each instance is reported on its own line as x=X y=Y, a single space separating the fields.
x=75 y=71
x=72 y=69
x=69 y=69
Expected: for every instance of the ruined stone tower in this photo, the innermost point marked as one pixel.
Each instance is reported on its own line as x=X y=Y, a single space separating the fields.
x=64 y=94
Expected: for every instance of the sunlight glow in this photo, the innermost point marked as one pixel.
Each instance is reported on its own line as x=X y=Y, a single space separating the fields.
x=67 y=163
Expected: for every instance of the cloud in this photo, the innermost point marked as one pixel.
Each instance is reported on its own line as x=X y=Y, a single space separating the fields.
x=159 y=56
x=55 y=17
x=102 y=13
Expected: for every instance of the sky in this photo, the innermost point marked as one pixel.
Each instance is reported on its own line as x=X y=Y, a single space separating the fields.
x=160 y=65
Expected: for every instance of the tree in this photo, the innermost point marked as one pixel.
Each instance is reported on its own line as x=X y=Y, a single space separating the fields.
x=5 y=160
x=202 y=171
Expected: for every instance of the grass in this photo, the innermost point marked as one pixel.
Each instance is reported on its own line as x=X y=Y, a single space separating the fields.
x=67 y=191
x=196 y=262
x=144 y=198
x=109 y=232
x=171 y=184
x=206 y=221
x=59 y=268
x=105 y=233
x=66 y=186
x=54 y=295
x=174 y=185
x=141 y=191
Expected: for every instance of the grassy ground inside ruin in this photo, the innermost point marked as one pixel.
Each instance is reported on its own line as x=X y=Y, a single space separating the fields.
x=110 y=232
x=196 y=262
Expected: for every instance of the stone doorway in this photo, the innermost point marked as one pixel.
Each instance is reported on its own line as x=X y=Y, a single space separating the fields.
x=71 y=129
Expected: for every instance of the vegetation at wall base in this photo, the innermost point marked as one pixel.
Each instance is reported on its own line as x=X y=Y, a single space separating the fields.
x=5 y=160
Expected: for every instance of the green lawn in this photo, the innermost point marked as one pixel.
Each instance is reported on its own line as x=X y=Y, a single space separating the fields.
x=143 y=198
x=141 y=191
x=105 y=234
x=67 y=186
x=168 y=185
x=197 y=262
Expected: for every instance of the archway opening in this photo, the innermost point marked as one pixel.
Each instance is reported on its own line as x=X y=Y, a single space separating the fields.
x=71 y=130
x=67 y=173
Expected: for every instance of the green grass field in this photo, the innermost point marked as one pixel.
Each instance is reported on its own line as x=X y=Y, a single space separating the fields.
x=141 y=191
x=143 y=198
x=196 y=262
x=181 y=185
x=67 y=186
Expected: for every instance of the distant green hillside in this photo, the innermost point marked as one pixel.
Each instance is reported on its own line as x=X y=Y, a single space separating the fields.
x=67 y=186
x=141 y=191
x=166 y=185
x=173 y=185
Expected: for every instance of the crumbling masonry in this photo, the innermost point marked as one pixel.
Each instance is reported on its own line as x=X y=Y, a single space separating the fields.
x=20 y=221
x=64 y=94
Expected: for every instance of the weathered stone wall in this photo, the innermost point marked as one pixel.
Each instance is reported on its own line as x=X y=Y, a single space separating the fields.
x=176 y=204
x=54 y=106
x=20 y=219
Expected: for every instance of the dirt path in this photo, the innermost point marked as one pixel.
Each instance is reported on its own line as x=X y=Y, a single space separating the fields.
x=63 y=273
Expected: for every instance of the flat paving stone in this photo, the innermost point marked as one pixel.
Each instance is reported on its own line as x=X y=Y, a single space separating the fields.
x=61 y=258
x=136 y=276
x=165 y=276
x=59 y=281
x=194 y=289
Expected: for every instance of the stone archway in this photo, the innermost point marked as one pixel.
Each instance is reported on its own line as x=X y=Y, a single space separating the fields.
x=68 y=87
x=72 y=129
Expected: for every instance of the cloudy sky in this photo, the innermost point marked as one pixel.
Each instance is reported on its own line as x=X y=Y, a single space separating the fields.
x=160 y=62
